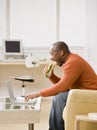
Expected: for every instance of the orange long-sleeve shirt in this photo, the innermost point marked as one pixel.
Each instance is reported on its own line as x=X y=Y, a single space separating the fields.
x=77 y=74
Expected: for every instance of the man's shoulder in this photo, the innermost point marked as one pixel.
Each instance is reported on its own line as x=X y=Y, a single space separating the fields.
x=74 y=60
x=74 y=57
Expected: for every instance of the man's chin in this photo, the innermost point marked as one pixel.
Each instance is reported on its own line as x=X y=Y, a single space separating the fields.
x=58 y=64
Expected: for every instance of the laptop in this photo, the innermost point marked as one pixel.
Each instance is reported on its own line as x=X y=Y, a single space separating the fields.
x=17 y=100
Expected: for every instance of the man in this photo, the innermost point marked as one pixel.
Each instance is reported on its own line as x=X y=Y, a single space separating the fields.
x=77 y=74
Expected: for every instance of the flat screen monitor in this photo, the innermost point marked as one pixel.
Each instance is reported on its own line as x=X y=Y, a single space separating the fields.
x=12 y=47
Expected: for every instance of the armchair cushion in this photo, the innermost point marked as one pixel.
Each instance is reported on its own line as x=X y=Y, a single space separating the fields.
x=79 y=102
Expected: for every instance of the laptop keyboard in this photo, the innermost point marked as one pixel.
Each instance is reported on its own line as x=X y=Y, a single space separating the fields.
x=21 y=100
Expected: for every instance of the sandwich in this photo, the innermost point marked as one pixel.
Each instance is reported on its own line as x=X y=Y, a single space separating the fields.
x=49 y=70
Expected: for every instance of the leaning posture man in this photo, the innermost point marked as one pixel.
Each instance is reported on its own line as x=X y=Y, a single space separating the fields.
x=77 y=74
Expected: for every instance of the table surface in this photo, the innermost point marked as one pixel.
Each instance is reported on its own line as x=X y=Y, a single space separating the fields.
x=6 y=105
x=19 y=113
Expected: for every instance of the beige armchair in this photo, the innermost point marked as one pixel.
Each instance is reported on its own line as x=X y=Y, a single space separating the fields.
x=80 y=102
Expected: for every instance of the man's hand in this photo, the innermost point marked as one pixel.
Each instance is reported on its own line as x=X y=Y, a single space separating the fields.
x=31 y=96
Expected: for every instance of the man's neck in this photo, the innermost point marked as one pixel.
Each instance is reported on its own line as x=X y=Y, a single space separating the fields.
x=65 y=56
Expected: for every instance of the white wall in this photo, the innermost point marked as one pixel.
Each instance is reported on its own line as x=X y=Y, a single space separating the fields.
x=91 y=31
x=29 y=20
x=43 y=22
x=33 y=21
x=77 y=23
x=2 y=19
x=72 y=22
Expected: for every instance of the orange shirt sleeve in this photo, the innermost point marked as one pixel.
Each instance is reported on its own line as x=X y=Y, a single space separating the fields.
x=54 y=79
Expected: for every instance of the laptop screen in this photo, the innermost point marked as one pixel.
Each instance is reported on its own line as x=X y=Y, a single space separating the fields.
x=10 y=91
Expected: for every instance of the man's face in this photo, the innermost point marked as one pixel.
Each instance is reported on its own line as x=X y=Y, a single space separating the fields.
x=55 y=56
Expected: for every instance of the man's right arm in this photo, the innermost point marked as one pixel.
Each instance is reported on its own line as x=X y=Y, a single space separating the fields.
x=53 y=78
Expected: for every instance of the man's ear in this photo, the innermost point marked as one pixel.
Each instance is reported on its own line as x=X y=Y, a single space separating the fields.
x=61 y=53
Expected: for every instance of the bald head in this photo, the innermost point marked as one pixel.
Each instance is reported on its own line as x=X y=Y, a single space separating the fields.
x=60 y=45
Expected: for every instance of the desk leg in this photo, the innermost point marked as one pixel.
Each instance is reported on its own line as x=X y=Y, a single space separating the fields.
x=31 y=127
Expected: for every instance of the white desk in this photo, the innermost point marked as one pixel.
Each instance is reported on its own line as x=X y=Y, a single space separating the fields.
x=20 y=62
x=19 y=114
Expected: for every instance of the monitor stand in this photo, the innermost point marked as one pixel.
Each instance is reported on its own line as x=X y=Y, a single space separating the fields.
x=11 y=57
